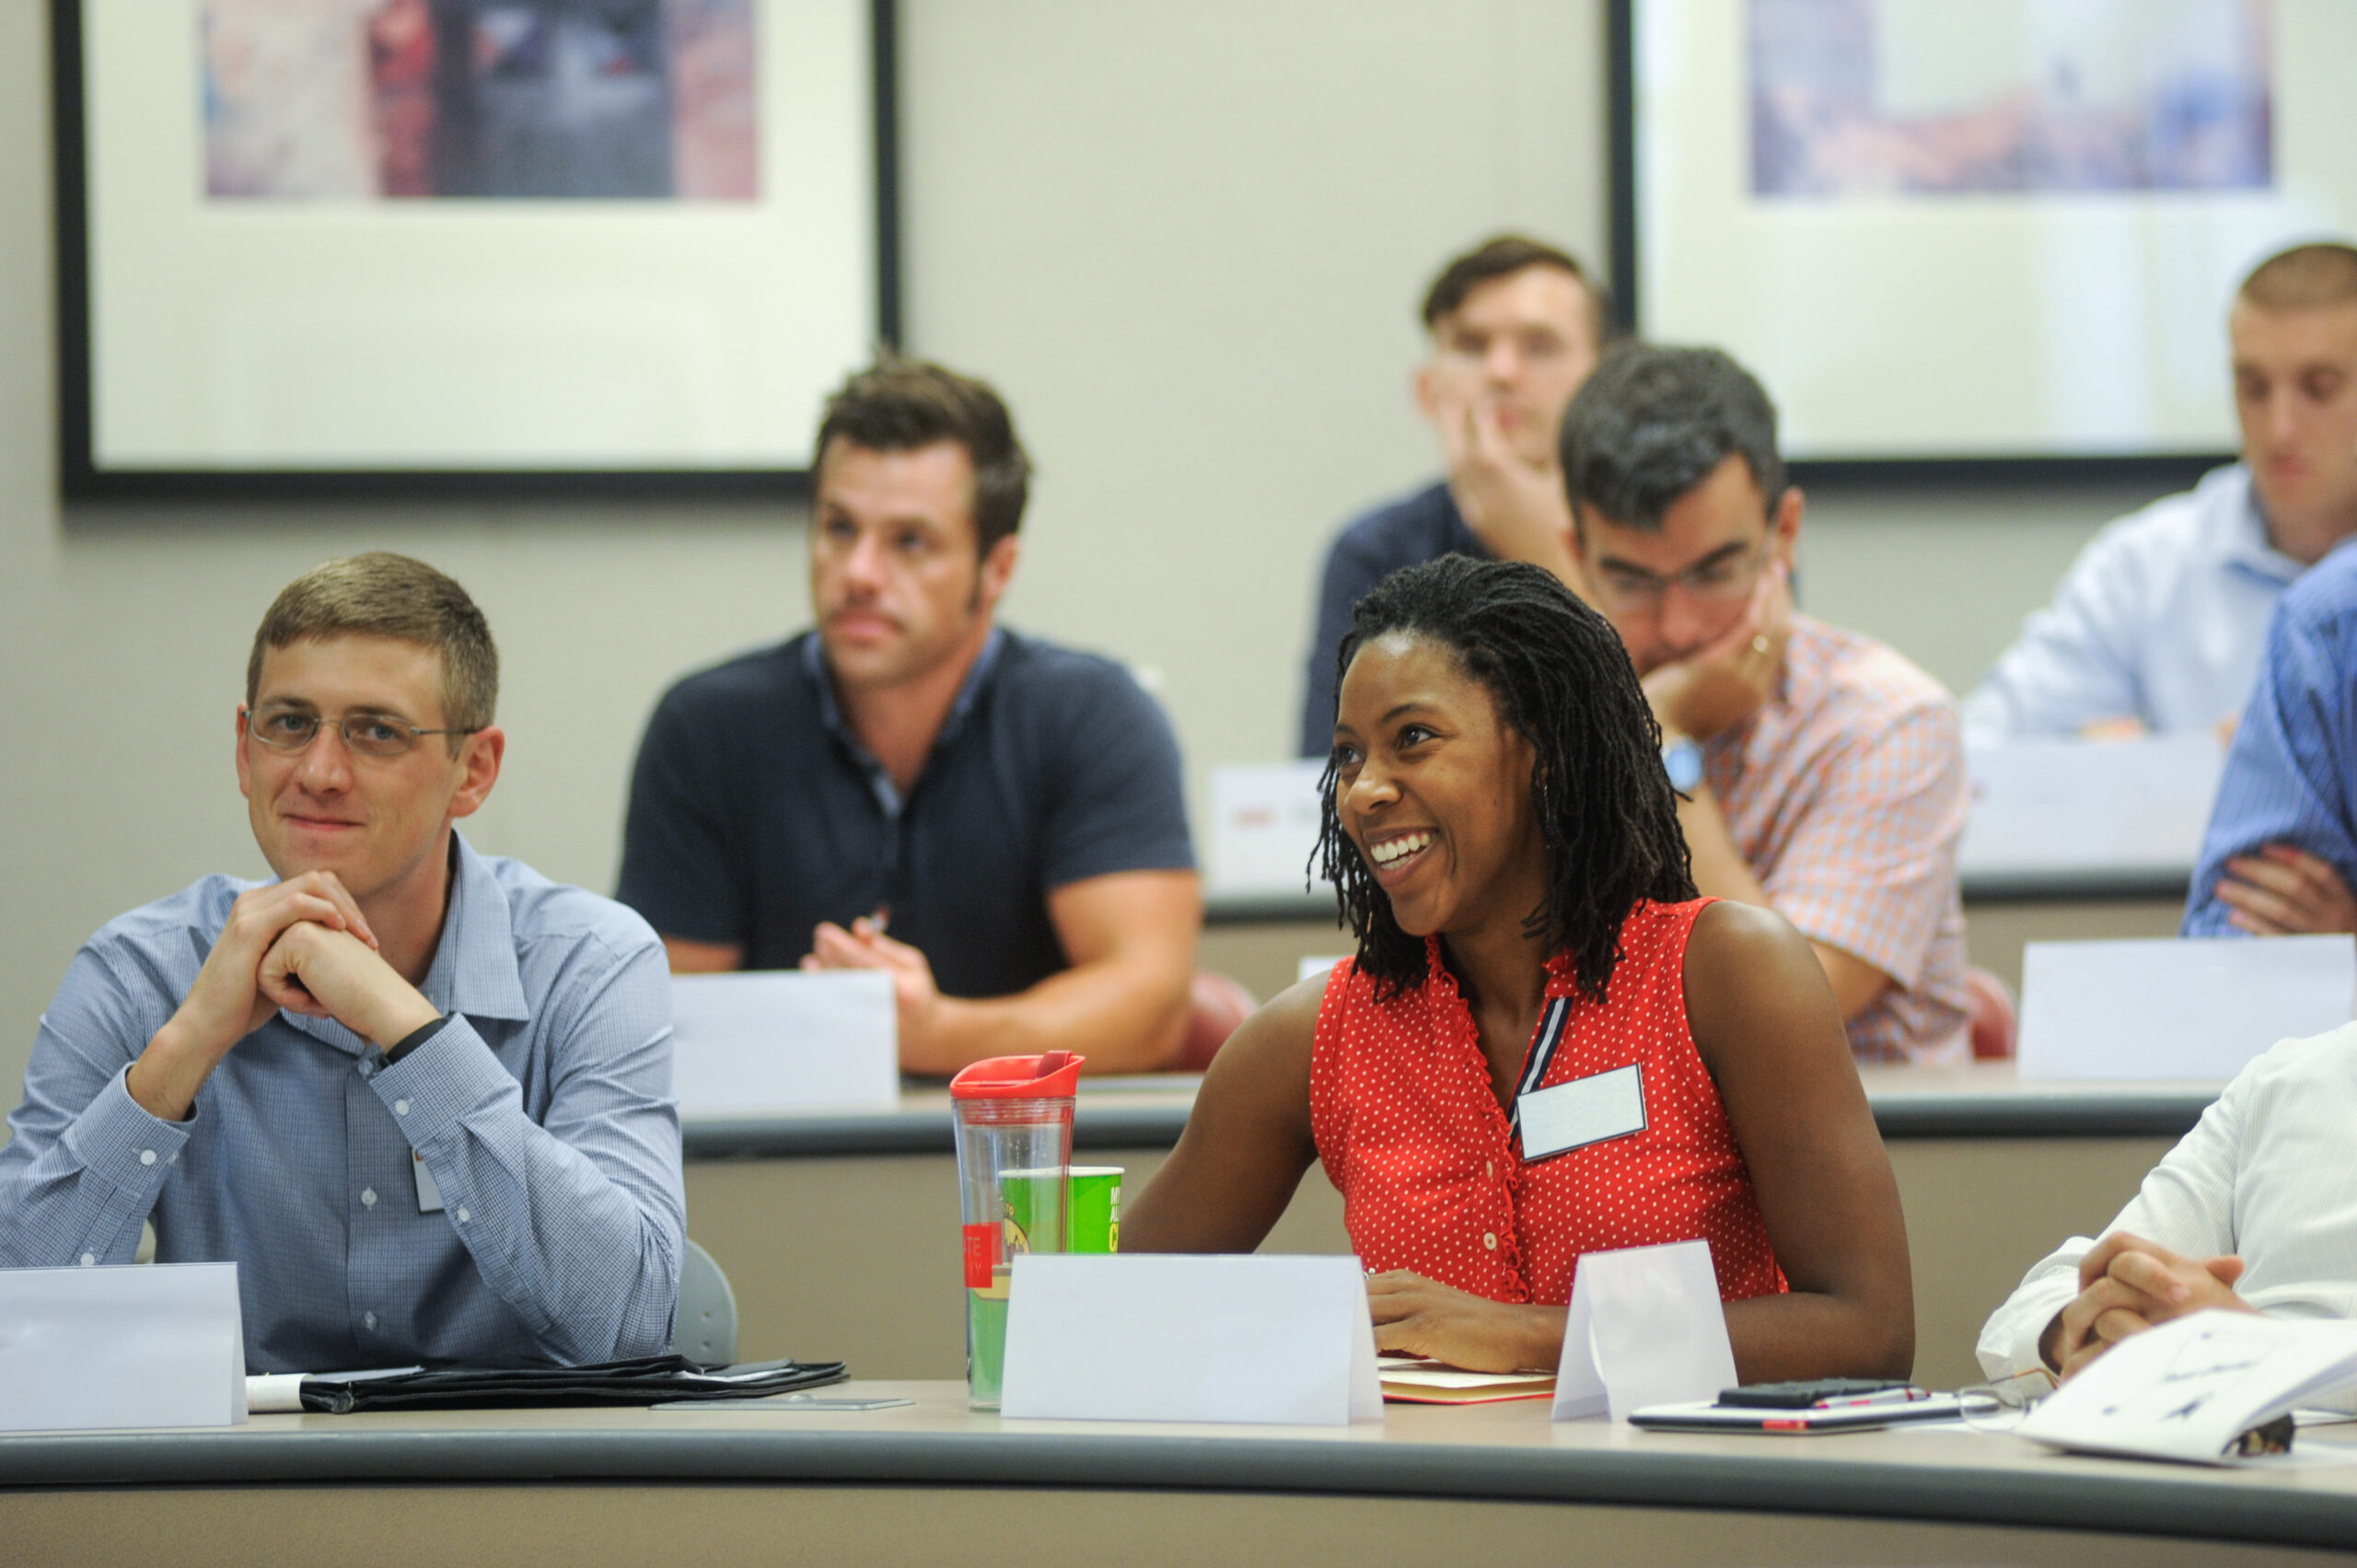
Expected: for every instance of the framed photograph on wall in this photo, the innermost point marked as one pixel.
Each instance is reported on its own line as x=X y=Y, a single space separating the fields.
x=466 y=246
x=1992 y=234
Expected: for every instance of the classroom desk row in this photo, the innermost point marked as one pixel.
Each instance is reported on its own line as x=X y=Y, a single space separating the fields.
x=932 y=1484
x=839 y=1230
x=1261 y=939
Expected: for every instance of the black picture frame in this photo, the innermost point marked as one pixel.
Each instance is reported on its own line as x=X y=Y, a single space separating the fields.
x=2169 y=470
x=81 y=480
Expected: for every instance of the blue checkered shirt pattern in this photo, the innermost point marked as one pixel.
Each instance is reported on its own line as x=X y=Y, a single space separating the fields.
x=2291 y=774
x=542 y=1107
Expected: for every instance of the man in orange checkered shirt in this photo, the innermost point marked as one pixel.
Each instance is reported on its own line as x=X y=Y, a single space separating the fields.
x=1823 y=775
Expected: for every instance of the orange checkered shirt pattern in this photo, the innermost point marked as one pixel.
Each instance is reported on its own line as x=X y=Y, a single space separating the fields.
x=1846 y=795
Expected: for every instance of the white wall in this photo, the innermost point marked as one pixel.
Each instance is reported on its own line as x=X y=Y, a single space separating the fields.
x=1186 y=241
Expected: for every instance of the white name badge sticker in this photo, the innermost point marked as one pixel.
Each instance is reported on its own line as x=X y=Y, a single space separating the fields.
x=1584 y=1111
x=429 y=1191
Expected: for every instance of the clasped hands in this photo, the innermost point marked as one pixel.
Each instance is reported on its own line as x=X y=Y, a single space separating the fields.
x=1728 y=679
x=301 y=945
x=2128 y=1284
x=2283 y=891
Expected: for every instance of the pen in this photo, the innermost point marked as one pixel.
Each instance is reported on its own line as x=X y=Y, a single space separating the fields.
x=1879 y=1397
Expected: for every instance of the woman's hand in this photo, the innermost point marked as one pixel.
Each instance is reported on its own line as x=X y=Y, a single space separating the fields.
x=1414 y=1315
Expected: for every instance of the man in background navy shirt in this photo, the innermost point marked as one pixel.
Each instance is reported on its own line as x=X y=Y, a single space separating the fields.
x=1516 y=326
x=996 y=821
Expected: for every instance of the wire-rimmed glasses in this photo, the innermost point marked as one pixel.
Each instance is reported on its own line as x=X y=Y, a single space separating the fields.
x=283 y=728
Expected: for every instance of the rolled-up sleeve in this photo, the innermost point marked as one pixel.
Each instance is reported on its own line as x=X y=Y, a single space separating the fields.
x=85 y=1163
x=575 y=1221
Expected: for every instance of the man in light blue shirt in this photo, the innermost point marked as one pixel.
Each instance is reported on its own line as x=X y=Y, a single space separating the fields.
x=2281 y=854
x=421 y=1097
x=2158 y=624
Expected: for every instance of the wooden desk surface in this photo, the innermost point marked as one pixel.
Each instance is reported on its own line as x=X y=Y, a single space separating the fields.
x=1490 y=1455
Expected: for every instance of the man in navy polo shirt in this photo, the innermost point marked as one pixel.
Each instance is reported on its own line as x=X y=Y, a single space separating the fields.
x=994 y=821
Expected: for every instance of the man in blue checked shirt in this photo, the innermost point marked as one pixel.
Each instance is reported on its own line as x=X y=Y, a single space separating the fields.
x=2281 y=854
x=421 y=1097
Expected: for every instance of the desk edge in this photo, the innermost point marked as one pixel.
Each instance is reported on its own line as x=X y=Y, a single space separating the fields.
x=2165 y=1502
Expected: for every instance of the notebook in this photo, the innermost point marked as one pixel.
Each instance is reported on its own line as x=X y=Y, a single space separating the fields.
x=1409 y=1381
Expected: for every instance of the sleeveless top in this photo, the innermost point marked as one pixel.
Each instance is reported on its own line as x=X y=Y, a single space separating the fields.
x=1431 y=1169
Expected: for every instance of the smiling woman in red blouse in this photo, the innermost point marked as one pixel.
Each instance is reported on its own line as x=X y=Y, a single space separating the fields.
x=1547 y=1044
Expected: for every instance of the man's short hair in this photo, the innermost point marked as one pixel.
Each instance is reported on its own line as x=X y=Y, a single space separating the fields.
x=899 y=405
x=2304 y=278
x=384 y=595
x=1503 y=256
x=1653 y=423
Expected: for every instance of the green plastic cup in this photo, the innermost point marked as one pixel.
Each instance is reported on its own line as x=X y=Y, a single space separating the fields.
x=1096 y=1208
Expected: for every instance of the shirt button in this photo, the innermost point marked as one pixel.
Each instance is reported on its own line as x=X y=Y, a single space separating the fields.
x=90 y=1259
x=1490 y=1239
x=146 y=1157
x=400 y=1108
x=464 y=1216
x=368 y=1197
x=368 y=1320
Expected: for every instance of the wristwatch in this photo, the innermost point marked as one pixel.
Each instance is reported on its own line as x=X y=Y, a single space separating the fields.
x=1683 y=760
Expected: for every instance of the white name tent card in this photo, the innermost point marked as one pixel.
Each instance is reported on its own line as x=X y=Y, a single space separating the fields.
x=1645 y=1327
x=753 y=1044
x=154 y=1345
x=1264 y=825
x=2056 y=805
x=2197 y=1007
x=1179 y=1337
x=2187 y=1388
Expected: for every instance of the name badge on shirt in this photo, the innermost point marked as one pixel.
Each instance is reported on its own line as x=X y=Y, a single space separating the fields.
x=429 y=1196
x=1584 y=1111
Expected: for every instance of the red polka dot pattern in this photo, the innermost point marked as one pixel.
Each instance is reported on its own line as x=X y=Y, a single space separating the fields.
x=1432 y=1178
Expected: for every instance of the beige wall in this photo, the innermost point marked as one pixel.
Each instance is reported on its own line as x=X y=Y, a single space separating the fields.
x=1185 y=239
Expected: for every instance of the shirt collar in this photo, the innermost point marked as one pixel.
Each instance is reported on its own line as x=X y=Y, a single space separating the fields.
x=830 y=712
x=2244 y=541
x=474 y=968
x=1562 y=973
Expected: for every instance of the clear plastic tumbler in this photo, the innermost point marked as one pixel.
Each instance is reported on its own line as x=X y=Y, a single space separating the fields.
x=1014 y=1121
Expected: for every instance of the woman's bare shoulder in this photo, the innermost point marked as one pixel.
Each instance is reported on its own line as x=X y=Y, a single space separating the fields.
x=1753 y=980
x=1277 y=1040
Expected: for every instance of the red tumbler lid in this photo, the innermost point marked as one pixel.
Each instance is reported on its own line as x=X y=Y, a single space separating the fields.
x=1018 y=1077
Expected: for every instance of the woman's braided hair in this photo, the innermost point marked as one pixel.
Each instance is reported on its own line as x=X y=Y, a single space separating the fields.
x=1560 y=677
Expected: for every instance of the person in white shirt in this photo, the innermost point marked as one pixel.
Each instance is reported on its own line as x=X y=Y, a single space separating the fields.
x=2159 y=623
x=2254 y=1210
